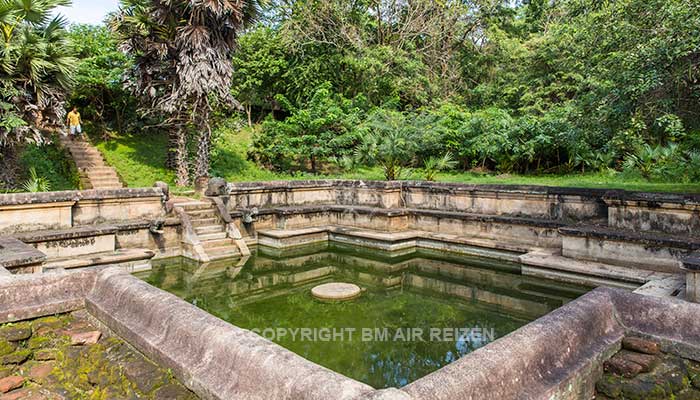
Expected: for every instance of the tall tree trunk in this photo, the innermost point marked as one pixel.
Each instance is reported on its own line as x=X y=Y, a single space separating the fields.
x=249 y=111
x=203 y=152
x=183 y=173
x=171 y=162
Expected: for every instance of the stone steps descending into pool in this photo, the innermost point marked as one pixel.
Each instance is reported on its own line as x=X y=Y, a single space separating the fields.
x=550 y=265
x=396 y=242
x=208 y=237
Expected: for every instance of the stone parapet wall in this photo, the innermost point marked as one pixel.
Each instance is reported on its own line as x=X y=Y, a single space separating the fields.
x=679 y=214
x=23 y=212
x=524 y=201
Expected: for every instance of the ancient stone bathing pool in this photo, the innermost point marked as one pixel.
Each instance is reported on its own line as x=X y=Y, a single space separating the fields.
x=494 y=322
x=419 y=311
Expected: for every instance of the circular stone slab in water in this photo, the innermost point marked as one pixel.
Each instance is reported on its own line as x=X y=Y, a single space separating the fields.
x=336 y=291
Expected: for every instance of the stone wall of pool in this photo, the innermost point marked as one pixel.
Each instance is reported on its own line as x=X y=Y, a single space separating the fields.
x=630 y=240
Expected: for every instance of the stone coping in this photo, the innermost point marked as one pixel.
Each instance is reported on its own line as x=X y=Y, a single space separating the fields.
x=647 y=238
x=556 y=356
x=83 y=231
x=14 y=252
x=449 y=187
x=652 y=200
x=78 y=195
x=399 y=212
x=236 y=187
x=213 y=358
x=66 y=234
x=611 y=196
x=30 y=296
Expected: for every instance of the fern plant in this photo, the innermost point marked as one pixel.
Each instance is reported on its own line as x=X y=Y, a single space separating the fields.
x=433 y=165
x=36 y=183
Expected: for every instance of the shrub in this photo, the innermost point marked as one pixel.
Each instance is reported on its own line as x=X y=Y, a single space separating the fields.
x=324 y=129
x=390 y=142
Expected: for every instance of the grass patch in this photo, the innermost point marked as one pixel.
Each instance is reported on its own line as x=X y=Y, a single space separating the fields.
x=140 y=161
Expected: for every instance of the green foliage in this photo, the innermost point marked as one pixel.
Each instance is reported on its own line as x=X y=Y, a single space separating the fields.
x=389 y=142
x=311 y=136
x=259 y=64
x=99 y=89
x=36 y=183
x=433 y=165
x=533 y=87
x=36 y=67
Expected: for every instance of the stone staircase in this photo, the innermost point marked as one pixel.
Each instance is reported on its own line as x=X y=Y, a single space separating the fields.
x=94 y=171
x=211 y=234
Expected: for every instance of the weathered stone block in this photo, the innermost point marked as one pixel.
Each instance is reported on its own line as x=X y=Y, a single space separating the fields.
x=11 y=382
x=623 y=367
x=16 y=332
x=641 y=345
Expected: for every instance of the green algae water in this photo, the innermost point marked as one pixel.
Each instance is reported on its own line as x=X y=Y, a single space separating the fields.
x=418 y=312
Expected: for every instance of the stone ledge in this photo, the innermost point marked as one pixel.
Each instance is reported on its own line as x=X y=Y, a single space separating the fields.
x=121 y=256
x=88 y=230
x=446 y=187
x=25 y=297
x=67 y=234
x=243 y=187
x=652 y=200
x=646 y=238
x=632 y=278
x=601 y=196
x=78 y=195
x=15 y=253
x=400 y=212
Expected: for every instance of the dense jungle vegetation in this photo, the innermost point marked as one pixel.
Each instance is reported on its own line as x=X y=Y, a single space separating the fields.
x=367 y=88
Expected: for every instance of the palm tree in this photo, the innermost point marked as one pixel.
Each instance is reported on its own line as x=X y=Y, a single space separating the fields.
x=36 y=69
x=182 y=51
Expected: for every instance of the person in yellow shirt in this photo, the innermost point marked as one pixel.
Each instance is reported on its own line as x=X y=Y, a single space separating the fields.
x=74 y=121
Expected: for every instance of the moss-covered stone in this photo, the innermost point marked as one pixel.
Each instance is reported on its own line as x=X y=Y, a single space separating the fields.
x=16 y=332
x=45 y=324
x=173 y=391
x=694 y=374
x=610 y=385
x=18 y=357
x=108 y=370
x=46 y=354
x=7 y=347
x=638 y=389
x=6 y=371
x=39 y=342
